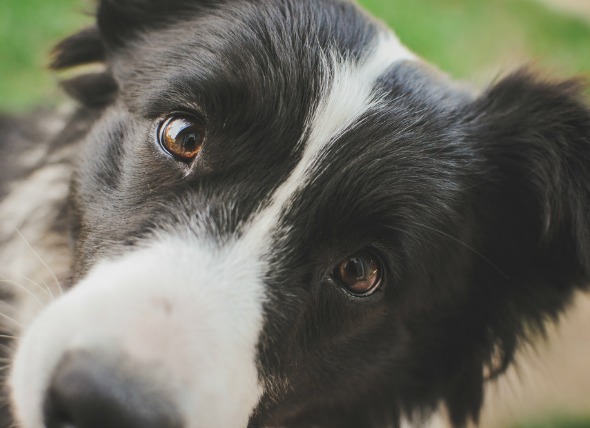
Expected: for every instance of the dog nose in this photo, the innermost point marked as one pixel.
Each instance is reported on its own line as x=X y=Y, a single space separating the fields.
x=88 y=391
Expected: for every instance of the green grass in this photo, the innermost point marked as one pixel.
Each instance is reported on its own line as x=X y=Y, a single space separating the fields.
x=28 y=29
x=478 y=39
x=558 y=422
x=467 y=37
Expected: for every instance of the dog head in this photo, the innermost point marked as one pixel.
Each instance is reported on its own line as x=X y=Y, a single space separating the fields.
x=282 y=217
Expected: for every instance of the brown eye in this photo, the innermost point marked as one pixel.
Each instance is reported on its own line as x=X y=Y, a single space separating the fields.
x=182 y=136
x=360 y=273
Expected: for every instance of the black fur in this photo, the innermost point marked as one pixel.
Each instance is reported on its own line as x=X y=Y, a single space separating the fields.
x=84 y=47
x=477 y=205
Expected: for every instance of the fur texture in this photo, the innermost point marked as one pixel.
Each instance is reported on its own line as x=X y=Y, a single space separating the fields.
x=209 y=287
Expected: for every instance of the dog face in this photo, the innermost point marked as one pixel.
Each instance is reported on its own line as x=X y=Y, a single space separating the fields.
x=282 y=217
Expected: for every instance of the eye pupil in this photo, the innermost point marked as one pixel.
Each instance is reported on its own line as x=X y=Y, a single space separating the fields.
x=360 y=273
x=182 y=136
x=354 y=268
x=190 y=142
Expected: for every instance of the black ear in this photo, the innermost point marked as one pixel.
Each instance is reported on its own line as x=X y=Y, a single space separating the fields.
x=121 y=20
x=118 y=23
x=83 y=48
x=531 y=140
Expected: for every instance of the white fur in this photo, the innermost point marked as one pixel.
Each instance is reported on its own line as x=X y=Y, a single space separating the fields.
x=348 y=94
x=438 y=419
x=185 y=305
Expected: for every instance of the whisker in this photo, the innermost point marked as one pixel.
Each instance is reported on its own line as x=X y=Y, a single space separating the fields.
x=6 y=317
x=457 y=240
x=43 y=287
x=8 y=336
x=41 y=260
x=24 y=288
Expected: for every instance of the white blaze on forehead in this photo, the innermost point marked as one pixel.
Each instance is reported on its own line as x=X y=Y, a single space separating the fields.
x=207 y=342
x=348 y=95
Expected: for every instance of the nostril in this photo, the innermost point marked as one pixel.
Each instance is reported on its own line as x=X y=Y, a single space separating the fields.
x=88 y=391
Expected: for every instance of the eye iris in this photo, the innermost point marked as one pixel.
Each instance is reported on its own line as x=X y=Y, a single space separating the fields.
x=182 y=137
x=359 y=273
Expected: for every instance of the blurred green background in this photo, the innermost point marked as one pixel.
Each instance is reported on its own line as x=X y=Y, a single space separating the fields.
x=474 y=39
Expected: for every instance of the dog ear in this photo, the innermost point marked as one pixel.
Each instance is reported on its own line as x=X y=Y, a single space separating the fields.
x=83 y=48
x=121 y=20
x=532 y=153
x=118 y=21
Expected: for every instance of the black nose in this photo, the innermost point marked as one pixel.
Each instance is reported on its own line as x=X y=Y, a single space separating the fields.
x=87 y=391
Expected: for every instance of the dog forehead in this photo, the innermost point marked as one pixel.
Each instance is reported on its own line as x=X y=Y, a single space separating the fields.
x=242 y=52
x=283 y=25
x=284 y=109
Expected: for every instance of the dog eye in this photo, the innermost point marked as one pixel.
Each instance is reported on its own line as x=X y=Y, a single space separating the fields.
x=182 y=136
x=360 y=273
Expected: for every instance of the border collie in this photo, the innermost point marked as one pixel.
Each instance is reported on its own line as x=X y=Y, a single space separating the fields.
x=270 y=213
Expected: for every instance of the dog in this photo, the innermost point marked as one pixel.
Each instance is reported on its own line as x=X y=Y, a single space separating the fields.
x=273 y=214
